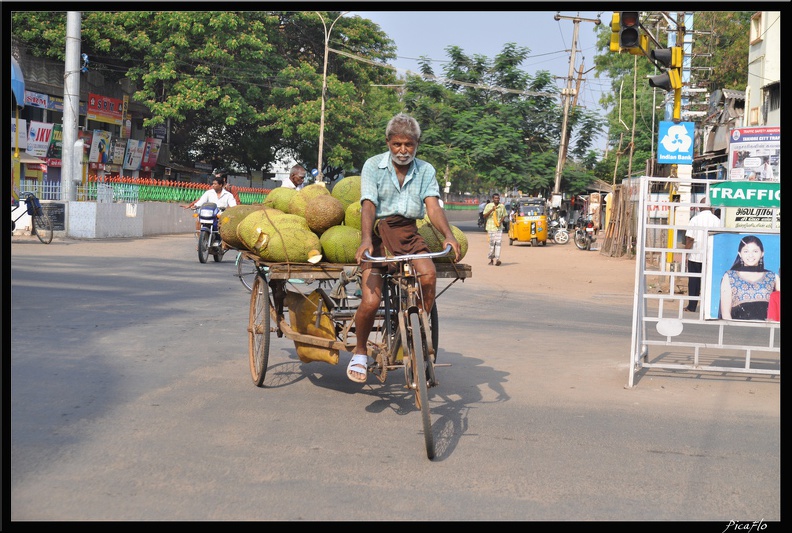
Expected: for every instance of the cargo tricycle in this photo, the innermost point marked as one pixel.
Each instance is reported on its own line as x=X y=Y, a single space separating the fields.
x=314 y=305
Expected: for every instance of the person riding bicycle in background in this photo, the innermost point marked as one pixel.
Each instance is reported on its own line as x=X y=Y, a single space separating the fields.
x=396 y=190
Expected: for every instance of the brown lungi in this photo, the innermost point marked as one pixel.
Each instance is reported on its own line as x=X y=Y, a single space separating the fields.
x=395 y=235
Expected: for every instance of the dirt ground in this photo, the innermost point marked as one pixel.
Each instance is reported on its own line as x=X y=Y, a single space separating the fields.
x=557 y=270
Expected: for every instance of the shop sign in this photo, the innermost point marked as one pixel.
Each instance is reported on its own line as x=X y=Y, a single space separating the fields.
x=34 y=99
x=105 y=109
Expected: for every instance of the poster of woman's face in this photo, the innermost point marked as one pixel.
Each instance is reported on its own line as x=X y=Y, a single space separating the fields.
x=743 y=271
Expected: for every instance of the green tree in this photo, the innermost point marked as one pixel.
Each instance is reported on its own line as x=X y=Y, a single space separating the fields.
x=490 y=126
x=239 y=88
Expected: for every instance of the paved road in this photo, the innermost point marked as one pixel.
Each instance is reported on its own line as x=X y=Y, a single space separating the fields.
x=131 y=399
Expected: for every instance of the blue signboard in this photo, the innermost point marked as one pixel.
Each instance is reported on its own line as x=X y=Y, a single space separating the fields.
x=675 y=143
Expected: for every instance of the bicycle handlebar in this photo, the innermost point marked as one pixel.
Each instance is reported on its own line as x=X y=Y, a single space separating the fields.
x=397 y=258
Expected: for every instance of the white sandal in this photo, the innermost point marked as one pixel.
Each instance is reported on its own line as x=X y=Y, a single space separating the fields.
x=358 y=364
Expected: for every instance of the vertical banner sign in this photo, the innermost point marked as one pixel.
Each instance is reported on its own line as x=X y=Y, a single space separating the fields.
x=100 y=147
x=117 y=151
x=22 y=137
x=39 y=136
x=55 y=149
x=86 y=137
x=151 y=153
x=134 y=154
x=124 y=112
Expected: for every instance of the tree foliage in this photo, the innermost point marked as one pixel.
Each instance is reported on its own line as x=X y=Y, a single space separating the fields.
x=490 y=126
x=238 y=87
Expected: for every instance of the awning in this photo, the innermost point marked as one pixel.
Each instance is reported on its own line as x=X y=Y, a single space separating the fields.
x=26 y=158
x=600 y=186
x=17 y=83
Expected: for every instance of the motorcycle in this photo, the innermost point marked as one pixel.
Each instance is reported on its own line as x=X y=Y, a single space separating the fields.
x=584 y=233
x=209 y=240
x=558 y=231
x=481 y=220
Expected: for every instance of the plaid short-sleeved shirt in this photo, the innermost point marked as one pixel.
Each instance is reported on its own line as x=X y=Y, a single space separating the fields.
x=379 y=184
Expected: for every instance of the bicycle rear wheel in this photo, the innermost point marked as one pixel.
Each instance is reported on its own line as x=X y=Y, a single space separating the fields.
x=416 y=342
x=259 y=330
x=42 y=227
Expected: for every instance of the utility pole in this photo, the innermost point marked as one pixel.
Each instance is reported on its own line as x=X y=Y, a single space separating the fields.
x=72 y=159
x=567 y=94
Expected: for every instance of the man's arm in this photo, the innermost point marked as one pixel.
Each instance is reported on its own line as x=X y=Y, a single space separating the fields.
x=367 y=212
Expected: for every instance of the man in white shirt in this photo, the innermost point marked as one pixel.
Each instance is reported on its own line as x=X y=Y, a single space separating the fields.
x=697 y=238
x=296 y=179
x=217 y=195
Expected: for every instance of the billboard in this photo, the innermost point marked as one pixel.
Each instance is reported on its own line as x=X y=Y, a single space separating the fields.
x=743 y=270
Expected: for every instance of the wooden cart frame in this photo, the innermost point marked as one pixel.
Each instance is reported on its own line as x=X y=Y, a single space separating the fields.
x=401 y=327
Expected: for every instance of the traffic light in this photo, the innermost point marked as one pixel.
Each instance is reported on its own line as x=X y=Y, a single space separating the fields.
x=669 y=59
x=626 y=33
x=615 y=27
x=629 y=30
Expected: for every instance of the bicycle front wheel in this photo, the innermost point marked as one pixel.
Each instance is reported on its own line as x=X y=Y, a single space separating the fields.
x=42 y=227
x=418 y=362
x=246 y=270
x=259 y=331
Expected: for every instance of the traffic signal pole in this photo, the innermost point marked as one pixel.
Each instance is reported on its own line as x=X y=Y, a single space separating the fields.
x=567 y=94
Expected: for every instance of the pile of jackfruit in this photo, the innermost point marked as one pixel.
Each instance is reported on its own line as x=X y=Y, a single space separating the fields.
x=310 y=225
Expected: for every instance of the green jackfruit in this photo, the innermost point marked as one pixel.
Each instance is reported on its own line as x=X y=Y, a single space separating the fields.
x=279 y=238
x=347 y=190
x=279 y=198
x=230 y=219
x=300 y=199
x=352 y=215
x=340 y=243
x=434 y=239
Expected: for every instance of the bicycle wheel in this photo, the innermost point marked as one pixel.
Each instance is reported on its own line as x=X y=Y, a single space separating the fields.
x=246 y=270
x=203 y=247
x=417 y=342
x=42 y=227
x=434 y=327
x=259 y=330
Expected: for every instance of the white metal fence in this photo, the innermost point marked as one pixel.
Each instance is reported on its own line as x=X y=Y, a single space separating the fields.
x=664 y=335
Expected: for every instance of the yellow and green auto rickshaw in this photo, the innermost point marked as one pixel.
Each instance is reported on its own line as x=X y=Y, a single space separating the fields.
x=528 y=221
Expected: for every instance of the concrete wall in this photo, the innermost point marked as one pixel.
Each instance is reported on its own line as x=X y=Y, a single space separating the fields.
x=96 y=220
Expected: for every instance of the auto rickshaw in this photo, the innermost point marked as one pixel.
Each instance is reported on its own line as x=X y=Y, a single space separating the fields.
x=528 y=221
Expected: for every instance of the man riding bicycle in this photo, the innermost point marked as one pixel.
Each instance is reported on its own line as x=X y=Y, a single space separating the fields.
x=396 y=190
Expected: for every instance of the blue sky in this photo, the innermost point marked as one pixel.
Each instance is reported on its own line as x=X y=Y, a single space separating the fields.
x=428 y=33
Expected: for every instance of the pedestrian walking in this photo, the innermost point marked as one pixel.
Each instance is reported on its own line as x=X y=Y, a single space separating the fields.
x=494 y=214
